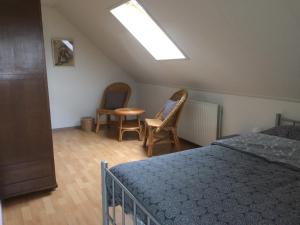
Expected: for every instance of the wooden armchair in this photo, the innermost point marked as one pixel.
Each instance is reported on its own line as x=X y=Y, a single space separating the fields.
x=116 y=95
x=165 y=126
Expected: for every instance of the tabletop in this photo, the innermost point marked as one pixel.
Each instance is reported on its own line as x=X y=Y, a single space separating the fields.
x=129 y=111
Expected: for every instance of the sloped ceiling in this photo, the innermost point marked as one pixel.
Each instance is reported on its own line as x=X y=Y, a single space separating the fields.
x=247 y=47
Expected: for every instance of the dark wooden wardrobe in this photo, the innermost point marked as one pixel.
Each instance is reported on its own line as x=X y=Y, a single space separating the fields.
x=26 y=151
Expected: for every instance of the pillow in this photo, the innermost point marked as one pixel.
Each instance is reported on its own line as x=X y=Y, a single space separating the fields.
x=281 y=131
x=169 y=106
x=290 y=132
x=294 y=133
x=114 y=99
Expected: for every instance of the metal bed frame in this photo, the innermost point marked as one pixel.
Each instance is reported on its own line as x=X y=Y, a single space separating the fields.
x=106 y=217
x=105 y=172
x=282 y=120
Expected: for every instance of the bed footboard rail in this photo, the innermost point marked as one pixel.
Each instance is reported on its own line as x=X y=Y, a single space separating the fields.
x=111 y=219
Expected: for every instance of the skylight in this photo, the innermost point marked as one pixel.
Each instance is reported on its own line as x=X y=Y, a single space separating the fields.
x=138 y=22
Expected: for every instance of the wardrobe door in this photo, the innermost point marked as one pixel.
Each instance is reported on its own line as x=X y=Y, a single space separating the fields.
x=26 y=150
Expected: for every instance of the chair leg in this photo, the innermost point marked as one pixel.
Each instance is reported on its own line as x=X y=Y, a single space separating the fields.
x=171 y=136
x=145 y=135
x=150 y=143
x=176 y=139
x=140 y=135
x=108 y=120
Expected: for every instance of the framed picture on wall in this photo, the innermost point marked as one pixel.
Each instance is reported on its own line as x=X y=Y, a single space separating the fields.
x=63 y=52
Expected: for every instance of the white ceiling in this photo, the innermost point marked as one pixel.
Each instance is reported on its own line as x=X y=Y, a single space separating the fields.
x=247 y=47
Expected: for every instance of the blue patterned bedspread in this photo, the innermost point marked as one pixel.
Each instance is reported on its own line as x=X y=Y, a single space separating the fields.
x=228 y=183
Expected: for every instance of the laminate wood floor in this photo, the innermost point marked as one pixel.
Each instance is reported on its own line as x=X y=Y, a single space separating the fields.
x=77 y=200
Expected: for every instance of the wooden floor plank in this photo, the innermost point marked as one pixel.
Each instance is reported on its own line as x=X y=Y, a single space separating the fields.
x=77 y=200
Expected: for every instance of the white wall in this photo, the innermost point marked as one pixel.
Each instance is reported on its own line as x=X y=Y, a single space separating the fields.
x=240 y=113
x=75 y=92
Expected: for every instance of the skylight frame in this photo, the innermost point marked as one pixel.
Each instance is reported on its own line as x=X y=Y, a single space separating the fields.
x=184 y=56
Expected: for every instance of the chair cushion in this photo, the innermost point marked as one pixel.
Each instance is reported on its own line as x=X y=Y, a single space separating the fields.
x=114 y=99
x=153 y=122
x=169 y=106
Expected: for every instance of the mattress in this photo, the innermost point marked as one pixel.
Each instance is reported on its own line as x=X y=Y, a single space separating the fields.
x=250 y=179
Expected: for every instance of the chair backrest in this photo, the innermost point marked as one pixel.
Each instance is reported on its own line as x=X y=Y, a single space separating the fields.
x=116 y=95
x=172 y=119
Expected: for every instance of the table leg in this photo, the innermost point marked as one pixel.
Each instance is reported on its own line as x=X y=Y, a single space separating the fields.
x=98 y=123
x=120 y=128
x=140 y=127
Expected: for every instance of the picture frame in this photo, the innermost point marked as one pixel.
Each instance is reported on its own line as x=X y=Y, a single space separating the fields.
x=63 y=50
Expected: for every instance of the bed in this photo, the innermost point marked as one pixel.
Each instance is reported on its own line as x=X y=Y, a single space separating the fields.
x=248 y=179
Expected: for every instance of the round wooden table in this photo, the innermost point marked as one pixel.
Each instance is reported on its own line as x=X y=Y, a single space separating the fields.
x=129 y=125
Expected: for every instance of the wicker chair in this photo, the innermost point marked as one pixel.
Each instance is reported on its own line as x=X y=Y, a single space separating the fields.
x=159 y=128
x=116 y=95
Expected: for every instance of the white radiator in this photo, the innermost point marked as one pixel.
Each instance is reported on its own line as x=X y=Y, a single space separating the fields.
x=200 y=122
